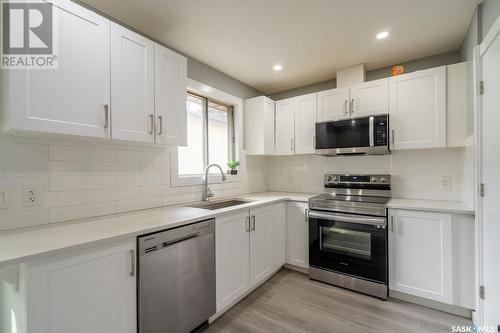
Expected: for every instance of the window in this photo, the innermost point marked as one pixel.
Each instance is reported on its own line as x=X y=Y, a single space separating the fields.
x=210 y=133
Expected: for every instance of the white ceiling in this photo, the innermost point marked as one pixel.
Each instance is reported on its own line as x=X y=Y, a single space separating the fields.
x=311 y=38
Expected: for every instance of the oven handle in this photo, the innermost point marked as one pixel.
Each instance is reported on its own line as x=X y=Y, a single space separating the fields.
x=375 y=221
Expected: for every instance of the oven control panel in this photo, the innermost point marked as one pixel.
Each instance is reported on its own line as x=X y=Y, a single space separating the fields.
x=357 y=181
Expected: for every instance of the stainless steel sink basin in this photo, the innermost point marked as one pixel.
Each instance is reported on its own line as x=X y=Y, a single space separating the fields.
x=218 y=204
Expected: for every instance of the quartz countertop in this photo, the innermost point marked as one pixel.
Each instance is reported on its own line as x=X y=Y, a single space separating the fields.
x=26 y=244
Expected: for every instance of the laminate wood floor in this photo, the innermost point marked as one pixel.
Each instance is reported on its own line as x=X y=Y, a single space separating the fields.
x=290 y=302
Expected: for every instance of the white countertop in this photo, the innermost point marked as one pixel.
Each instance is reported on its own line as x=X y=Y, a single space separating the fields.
x=431 y=205
x=25 y=244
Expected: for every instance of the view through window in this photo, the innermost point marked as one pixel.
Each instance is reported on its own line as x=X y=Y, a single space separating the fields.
x=210 y=132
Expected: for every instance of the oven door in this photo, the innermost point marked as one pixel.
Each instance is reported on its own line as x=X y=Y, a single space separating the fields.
x=351 y=244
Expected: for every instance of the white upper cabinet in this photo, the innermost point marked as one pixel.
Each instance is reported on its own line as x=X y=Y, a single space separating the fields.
x=73 y=98
x=417 y=107
x=261 y=243
x=305 y=122
x=333 y=104
x=90 y=291
x=421 y=254
x=259 y=126
x=284 y=127
x=132 y=85
x=170 y=97
x=369 y=98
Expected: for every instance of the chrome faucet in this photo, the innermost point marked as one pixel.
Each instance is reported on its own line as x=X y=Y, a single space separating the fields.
x=207 y=194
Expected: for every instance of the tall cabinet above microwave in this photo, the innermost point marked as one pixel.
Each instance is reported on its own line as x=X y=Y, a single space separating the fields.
x=355 y=136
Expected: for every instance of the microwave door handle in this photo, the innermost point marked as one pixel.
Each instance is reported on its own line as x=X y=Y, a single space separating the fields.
x=350 y=219
x=370 y=132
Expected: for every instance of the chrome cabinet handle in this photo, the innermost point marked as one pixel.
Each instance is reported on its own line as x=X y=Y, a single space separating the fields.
x=392 y=137
x=106 y=115
x=252 y=227
x=314 y=142
x=151 y=123
x=160 y=120
x=345 y=108
x=306 y=214
x=247 y=223
x=132 y=263
x=351 y=107
x=392 y=223
x=291 y=145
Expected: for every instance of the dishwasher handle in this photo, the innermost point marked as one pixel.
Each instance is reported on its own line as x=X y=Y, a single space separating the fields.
x=180 y=239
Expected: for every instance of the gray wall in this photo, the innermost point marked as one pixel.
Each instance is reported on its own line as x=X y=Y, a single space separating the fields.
x=490 y=12
x=411 y=66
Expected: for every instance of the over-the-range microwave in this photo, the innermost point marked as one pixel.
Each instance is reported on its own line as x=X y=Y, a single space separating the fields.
x=355 y=136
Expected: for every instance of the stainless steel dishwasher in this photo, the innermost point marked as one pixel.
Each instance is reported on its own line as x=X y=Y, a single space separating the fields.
x=176 y=288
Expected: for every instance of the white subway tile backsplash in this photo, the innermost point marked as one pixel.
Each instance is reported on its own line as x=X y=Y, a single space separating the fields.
x=66 y=198
x=23 y=151
x=112 y=194
x=68 y=213
x=70 y=183
x=137 y=204
x=112 y=168
x=71 y=153
x=42 y=168
x=23 y=218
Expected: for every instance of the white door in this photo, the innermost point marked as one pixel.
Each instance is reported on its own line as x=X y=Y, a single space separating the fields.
x=132 y=85
x=417 y=107
x=305 y=122
x=94 y=291
x=489 y=166
x=420 y=254
x=284 y=127
x=333 y=104
x=170 y=97
x=297 y=240
x=261 y=243
x=279 y=235
x=268 y=126
x=370 y=98
x=73 y=98
x=232 y=257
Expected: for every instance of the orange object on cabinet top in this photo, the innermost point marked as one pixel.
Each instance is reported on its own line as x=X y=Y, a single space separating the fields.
x=398 y=70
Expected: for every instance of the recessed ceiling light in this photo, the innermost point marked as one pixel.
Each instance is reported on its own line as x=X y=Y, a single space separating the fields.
x=382 y=35
x=277 y=68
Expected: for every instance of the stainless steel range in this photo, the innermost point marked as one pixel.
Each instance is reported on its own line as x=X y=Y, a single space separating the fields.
x=348 y=233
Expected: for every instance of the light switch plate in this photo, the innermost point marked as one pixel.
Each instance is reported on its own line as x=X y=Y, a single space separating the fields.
x=446 y=183
x=4 y=198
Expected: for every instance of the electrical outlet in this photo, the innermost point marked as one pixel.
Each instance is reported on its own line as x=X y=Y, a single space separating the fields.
x=446 y=183
x=31 y=197
x=289 y=179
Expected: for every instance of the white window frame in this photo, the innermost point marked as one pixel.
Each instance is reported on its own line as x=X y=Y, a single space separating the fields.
x=237 y=103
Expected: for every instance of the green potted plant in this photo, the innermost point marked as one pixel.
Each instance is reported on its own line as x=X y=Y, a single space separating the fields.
x=233 y=167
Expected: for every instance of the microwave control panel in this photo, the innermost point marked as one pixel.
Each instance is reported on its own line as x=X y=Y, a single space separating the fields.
x=381 y=128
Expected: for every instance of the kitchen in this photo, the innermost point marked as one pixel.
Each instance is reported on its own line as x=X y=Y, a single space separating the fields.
x=154 y=177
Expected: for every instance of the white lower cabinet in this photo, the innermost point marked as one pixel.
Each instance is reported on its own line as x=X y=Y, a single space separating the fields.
x=232 y=257
x=90 y=291
x=297 y=235
x=279 y=235
x=245 y=251
x=420 y=254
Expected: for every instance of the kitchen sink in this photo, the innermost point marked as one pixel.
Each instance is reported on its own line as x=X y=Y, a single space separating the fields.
x=213 y=205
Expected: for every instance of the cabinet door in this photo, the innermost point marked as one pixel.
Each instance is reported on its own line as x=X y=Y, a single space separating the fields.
x=305 y=122
x=420 y=254
x=284 y=127
x=73 y=98
x=370 y=98
x=261 y=244
x=93 y=291
x=417 y=106
x=132 y=85
x=297 y=235
x=170 y=97
x=232 y=257
x=279 y=235
x=268 y=126
x=333 y=104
